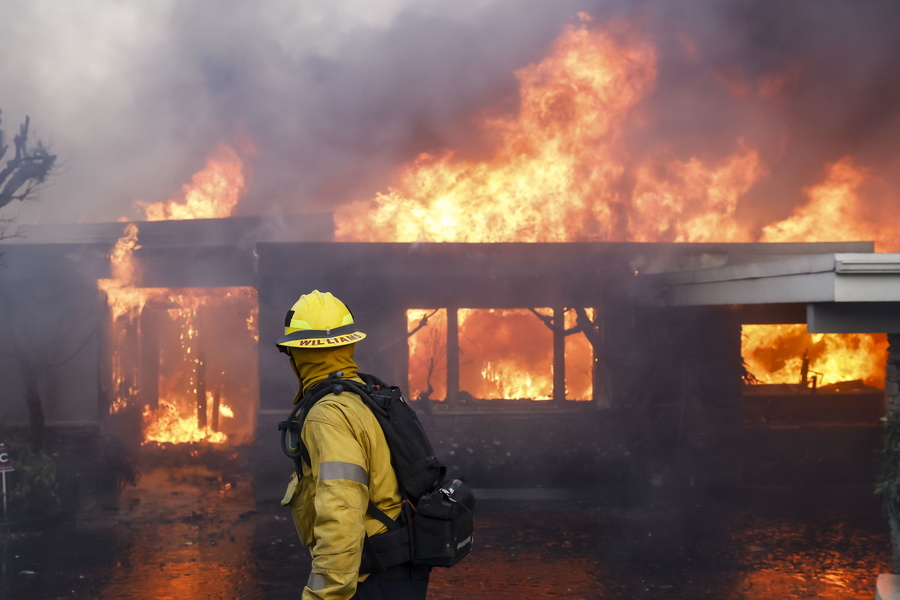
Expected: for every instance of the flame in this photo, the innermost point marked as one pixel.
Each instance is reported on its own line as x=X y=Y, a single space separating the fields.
x=172 y=424
x=838 y=210
x=427 y=342
x=119 y=289
x=506 y=380
x=191 y=400
x=579 y=360
x=491 y=367
x=835 y=211
x=776 y=353
x=560 y=171
x=493 y=362
x=213 y=193
x=557 y=174
x=556 y=171
x=832 y=212
x=691 y=202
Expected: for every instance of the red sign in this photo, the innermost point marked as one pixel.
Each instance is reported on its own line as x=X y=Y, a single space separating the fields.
x=5 y=464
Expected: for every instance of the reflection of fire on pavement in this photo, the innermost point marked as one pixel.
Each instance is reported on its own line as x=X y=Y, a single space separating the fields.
x=191 y=531
x=191 y=537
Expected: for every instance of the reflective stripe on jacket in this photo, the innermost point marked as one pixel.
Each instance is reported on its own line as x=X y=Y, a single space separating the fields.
x=351 y=463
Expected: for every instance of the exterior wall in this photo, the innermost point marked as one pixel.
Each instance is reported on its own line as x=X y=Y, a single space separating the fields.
x=50 y=317
x=669 y=413
x=511 y=445
x=713 y=390
x=670 y=409
x=676 y=377
x=892 y=374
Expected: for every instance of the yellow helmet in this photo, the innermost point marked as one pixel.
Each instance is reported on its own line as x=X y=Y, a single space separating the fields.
x=318 y=320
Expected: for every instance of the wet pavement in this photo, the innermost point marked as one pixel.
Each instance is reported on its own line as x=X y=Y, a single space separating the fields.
x=197 y=530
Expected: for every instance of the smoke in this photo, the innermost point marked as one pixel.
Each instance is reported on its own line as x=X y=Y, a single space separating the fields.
x=334 y=96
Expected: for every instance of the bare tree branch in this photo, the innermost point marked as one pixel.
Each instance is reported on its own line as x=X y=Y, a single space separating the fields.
x=548 y=321
x=422 y=323
x=590 y=329
x=71 y=356
x=25 y=171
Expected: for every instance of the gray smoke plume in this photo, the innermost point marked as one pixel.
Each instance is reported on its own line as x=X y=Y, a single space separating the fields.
x=335 y=95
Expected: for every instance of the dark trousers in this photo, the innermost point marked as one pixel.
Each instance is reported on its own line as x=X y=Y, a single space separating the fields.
x=399 y=583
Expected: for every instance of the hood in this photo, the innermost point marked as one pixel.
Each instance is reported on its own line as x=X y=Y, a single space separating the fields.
x=313 y=365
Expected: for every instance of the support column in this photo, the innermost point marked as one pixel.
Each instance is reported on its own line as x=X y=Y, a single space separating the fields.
x=452 y=355
x=892 y=375
x=892 y=406
x=598 y=395
x=202 y=422
x=127 y=351
x=149 y=357
x=217 y=402
x=105 y=385
x=396 y=352
x=712 y=397
x=559 y=355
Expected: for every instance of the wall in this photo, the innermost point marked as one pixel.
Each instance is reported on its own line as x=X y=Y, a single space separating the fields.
x=670 y=409
x=50 y=319
x=892 y=374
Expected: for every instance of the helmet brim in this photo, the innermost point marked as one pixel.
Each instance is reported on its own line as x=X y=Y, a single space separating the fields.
x=320 y=339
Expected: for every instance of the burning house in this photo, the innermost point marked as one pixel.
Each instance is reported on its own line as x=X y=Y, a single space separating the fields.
x=534 y=364
x=558 y=303
x=633 y=255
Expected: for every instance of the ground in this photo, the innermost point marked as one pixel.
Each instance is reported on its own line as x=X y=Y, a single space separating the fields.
x=197 y=529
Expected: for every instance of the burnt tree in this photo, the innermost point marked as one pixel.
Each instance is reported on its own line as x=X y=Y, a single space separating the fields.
x=43 y=338
x=24 y=171
x=29 y=166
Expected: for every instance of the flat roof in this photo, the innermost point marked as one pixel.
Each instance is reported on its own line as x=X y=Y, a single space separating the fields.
x=843 y=292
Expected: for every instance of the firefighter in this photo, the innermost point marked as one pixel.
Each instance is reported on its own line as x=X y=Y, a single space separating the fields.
x=349 y=462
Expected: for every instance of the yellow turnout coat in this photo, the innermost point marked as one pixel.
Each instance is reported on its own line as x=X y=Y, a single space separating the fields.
x=350 y=465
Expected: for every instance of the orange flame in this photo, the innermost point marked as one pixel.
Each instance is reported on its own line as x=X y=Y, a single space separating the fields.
x=176 y=414
x=427 y=353
x=556 y=172
x=832 y=213
x=492 y=367
x=838 y=210
x=495 y=365
x=560 y=171
x=173 y=425
x=776 y=354
x=213 y=193
x=690 y=202
x=120 y=292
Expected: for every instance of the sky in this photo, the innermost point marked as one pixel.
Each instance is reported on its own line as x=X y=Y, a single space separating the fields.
x=332 y=96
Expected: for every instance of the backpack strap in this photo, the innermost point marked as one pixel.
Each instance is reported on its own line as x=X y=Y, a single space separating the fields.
x=376 y=513
x=291 y=443
x=390 y=548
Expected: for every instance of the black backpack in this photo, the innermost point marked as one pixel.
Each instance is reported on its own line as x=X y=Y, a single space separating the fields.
x=436 y=525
